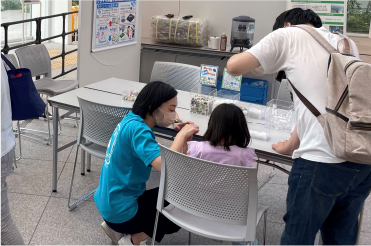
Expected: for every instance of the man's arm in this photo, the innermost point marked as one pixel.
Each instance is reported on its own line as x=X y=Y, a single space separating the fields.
x=288 y=147
x=242 y=63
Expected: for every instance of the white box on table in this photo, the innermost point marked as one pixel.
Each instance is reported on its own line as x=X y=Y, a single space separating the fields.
x=279 y=115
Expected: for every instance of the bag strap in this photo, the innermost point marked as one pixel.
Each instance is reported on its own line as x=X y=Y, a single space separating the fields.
x=346 y=43
x=10 y=65
x=318 y=37
x=305 y=101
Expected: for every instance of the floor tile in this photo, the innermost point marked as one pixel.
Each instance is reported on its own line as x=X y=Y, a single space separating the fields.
x=81 y=226
x=82 y=185
x=32 y=149
x=365 y=238
x=33 y=177
x=274 y=196
x=26 y=211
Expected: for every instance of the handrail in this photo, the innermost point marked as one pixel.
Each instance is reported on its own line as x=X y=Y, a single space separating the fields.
x=39 y=40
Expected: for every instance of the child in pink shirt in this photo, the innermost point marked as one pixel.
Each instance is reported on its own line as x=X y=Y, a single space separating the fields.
x=226 y=138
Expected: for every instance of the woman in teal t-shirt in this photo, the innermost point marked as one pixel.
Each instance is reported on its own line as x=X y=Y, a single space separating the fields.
x=121 y=197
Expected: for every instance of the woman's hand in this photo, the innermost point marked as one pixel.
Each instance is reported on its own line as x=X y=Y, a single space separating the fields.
x=189 y=130
x=179 y=126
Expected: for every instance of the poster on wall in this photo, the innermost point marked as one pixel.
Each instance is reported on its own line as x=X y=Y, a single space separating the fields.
x=115 y=23
x=332 y=13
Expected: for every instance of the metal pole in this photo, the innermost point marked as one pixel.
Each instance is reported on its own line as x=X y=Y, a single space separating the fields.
x=23 y=23
x=63 y=41
x=6 y=46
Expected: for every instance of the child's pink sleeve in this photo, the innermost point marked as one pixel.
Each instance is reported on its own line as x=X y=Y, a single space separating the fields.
x=193 y=148
x=250 y=155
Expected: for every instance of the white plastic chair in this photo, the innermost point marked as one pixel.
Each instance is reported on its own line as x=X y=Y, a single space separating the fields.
x=284 y=91
x=180 y=76
x=209 y=199
x=97 y=123
x=37 y=59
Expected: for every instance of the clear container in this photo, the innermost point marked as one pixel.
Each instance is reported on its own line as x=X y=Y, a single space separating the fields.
x=279 y=115
x=245 y=107
x=130 y=94
x=258 y=131
x=202 y=100
x=224 y=96
x=256 y=111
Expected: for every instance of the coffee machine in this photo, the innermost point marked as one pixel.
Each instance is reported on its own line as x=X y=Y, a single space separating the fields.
x=242 y=34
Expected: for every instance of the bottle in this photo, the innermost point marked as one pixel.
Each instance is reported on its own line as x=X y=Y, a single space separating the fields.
x=223 y=42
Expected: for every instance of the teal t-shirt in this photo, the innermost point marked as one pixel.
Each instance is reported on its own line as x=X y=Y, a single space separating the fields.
x=126 y=169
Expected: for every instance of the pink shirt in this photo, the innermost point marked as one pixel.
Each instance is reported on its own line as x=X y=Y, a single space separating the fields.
x=236 y=156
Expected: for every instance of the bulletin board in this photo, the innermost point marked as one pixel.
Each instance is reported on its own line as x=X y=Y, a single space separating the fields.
x=114 y=24
x=333 y=13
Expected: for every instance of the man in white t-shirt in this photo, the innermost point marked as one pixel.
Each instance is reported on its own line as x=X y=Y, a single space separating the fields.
x=325 y=193
x=9 y=231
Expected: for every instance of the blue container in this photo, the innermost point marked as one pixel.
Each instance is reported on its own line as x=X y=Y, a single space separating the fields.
x=251 y=93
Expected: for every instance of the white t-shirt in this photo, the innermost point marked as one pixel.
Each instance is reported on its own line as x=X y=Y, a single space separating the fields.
x=7 y=135
x=305 y=63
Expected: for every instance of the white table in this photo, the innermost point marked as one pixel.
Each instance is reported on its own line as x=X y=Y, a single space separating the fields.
x=109 y=92
x=117 y=86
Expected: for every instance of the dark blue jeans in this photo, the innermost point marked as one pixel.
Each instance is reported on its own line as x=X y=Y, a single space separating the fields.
x=326 y=197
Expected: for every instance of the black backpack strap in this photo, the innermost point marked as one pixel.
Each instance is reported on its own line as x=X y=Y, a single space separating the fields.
x=305 y=101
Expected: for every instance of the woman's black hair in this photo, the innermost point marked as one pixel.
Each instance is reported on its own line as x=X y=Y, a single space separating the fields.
x=297 y=16
x=228 y=123
x=151 y=97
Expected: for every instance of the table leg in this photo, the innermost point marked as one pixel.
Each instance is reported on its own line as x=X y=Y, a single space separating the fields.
x=83 y=160
x=55 y=148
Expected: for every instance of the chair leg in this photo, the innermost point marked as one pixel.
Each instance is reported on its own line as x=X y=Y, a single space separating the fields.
x=71 y=207
x=74 y=205
x=155 y=228
x=83 y=160
x=19 y=140
x=189 y=238
x=88 y=162
x=47 y=117
x=265 y=227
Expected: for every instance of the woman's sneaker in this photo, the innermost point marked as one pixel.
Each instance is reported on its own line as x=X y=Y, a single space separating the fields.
x=113 y=235
x=126 y=240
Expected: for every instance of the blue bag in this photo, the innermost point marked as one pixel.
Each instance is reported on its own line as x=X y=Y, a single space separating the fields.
x=25 y=100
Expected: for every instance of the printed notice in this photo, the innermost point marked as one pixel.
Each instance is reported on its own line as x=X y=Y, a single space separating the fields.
x=209 y=75
x=114 y=24
x=231 y=82
x=331 y=12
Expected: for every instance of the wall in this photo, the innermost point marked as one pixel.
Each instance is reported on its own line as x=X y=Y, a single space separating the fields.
x=219 y=13
x=123 y=62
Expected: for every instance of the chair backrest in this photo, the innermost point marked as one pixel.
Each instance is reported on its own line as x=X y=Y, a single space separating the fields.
x=210 y=190
x=284 y=91
x=180 y=76
x=36 y=58
x=98 y=121
x=13 y=59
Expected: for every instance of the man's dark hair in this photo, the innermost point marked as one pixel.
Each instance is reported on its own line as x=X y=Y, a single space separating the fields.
x=151 y=97
x=297 y=16
x=227 y=122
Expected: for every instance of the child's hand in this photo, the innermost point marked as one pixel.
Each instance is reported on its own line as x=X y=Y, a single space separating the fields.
x=189 y=130
x=179 y=126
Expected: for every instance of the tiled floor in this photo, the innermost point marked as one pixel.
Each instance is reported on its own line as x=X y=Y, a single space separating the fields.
x=43 y=216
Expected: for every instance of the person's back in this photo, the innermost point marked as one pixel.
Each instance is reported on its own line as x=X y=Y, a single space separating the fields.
x=325 y=193
x=226 y=138
x=305 y=63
